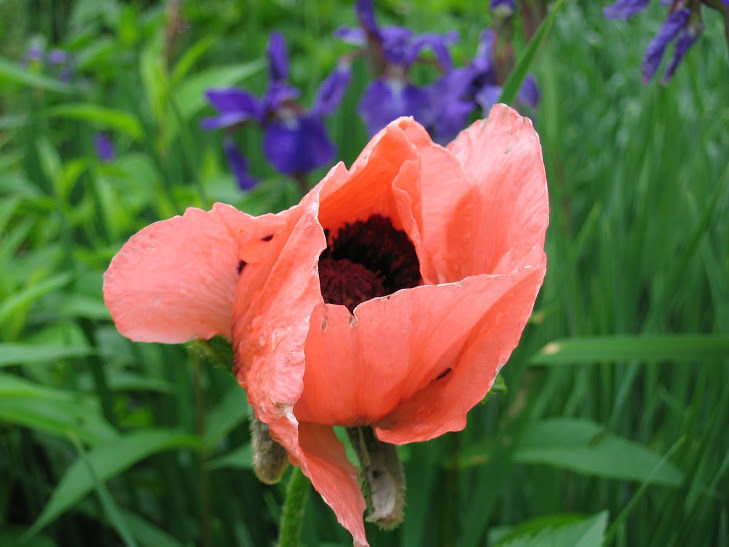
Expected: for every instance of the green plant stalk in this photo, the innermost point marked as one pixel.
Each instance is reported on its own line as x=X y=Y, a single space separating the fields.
x=205 y=504
x=292 y=518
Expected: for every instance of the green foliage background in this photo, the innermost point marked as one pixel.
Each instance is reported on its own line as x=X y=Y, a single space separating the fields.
x=612 y=425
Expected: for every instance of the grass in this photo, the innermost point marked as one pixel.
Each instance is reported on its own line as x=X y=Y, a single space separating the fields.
x=616 y=405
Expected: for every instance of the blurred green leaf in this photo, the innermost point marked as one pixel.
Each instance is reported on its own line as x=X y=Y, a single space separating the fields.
x=12 y=72
x=190 y=94
x=516 y=77
x=18 y=354
x=104 y=117
x=52 y=410
x=30 y=294
x=108 y=461
x=231 y=411
x=608 y=349
x=240 y=458
x=585 y=447
x=556 y=530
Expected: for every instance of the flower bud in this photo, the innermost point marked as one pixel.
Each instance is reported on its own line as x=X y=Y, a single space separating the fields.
x=269 y=458
x=382 y=477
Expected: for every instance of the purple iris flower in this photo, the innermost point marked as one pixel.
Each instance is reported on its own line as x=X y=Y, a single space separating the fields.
x=476 y=83
x=682 y=25
x=57 y=56
x=34 y=54
x=393 y=50
x=238 y=165
x=104 y=147
x=504 y=6
x=623 y=9
x=673 y=25
x=295 y=140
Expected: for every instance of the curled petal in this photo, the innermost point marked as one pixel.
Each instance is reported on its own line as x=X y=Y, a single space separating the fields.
x=175 y=279
x=503 y=156
x=332 y=90
x=439 y=44
x=278 y=61
x=441 y=406
x=323 y=460
x=656 y=49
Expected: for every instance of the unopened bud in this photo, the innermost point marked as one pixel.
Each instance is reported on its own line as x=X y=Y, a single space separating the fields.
x=382 y=476
x=270 y=459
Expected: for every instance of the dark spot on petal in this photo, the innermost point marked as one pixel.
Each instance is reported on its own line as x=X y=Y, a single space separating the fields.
x=443 y=374
x=269 y=237
x=241 y=265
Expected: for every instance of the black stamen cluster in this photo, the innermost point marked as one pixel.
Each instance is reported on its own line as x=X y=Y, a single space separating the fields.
x=375 y=245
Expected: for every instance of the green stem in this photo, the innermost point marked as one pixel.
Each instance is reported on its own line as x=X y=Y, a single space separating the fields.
x=292 y=517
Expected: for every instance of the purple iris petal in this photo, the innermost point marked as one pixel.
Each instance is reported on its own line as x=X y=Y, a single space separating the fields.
x=385 y=100
x=57 y=56
x=278 y=62
x=354 y=36
x=397 y=45
x=487 y=96
x=332 y=90
x=529 y=92
x=104 y=147
x=34 y=53
x=449 y=103
x=685 y=40
x=439 y=44
x=297 y=145
x=507 y=6
x=654 y=53
x=238 y=165
x=623 y=9
x=366 y=15
x=234 y=105
x=483 y=60
x=277 y=94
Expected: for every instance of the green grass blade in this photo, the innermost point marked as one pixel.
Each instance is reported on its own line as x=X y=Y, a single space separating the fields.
x=108 y=461
x=107 y=501
x=608 y=349
x=106 y=118
x=12 y=72
x=556 y=530
x=20 y=354
x=519 y=72
x=584 y=446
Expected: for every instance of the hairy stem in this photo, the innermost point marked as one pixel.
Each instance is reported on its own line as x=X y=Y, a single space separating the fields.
x=292 y=517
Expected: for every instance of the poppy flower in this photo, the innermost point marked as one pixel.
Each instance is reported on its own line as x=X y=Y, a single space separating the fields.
x=389 y=297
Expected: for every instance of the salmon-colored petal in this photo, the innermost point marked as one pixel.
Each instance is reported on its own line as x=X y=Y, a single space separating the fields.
x=441 y=406
x=175 y=279
x=360 y=369
x=438 y=206
x=503 y=156
x=322 y=458
x=273 y=304
x=366 y=189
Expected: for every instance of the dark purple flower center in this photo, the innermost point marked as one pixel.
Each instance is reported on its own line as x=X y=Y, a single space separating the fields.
x=367 y=259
